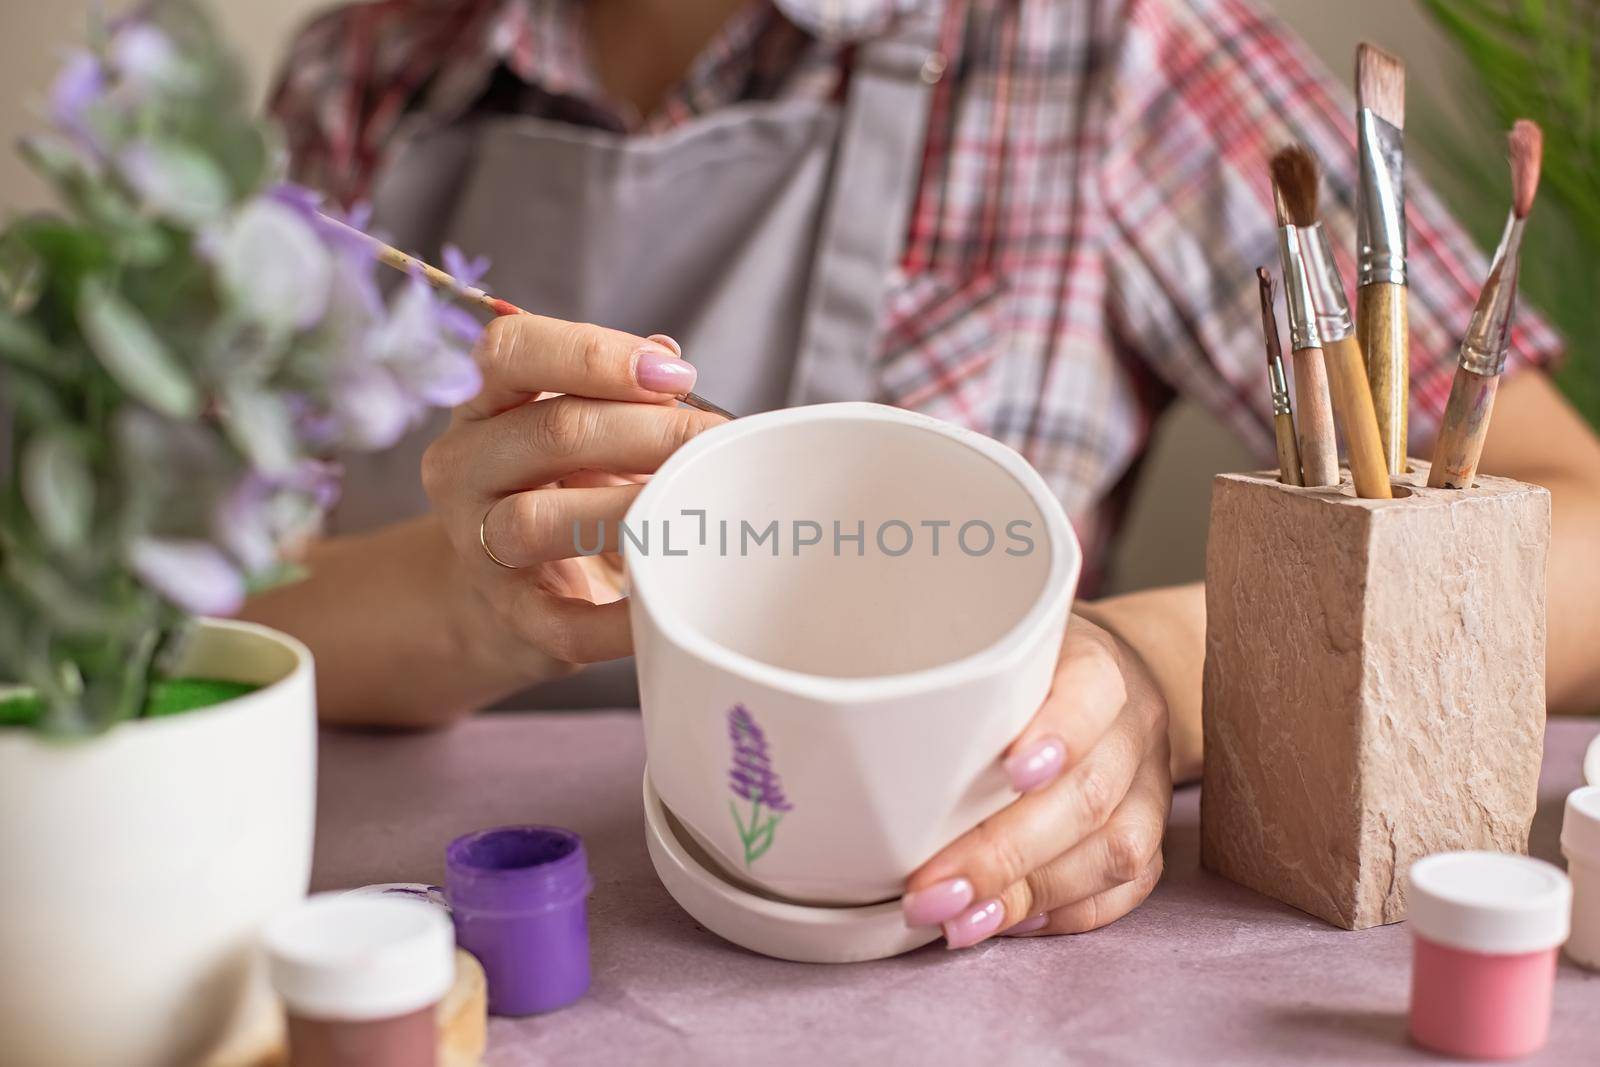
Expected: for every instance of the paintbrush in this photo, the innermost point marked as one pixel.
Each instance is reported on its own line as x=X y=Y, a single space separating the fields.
x=1381 y=325
x=1483 y=351
x=1295 y=177
x=1319 y=455
x=437 y=278
x=1282 y=411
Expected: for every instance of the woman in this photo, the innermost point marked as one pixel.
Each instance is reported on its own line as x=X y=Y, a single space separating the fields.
x=1036 y=218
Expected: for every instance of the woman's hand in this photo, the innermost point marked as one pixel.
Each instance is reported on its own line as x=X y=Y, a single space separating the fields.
x=519 y=471
x=1082 y=846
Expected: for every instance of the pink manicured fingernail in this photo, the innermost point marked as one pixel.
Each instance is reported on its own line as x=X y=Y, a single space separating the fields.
x=666 y=342
x=1037 y=764
x=934 y=904
x=1028 y=925
x=973 y=926
x=662 y=373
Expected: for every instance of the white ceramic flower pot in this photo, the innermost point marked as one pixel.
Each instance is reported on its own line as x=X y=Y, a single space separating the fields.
x=136 y=868
x=823 y=720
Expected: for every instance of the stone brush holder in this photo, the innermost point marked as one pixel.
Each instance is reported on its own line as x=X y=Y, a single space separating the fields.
x=1374 y=684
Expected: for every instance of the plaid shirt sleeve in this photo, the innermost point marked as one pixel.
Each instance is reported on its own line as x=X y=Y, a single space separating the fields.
x=1199 y=95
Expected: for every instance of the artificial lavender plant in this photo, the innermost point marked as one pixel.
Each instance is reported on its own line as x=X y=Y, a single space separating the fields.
x=184 y=346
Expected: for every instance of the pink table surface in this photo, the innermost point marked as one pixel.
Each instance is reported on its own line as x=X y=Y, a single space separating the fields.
x=1204 y=972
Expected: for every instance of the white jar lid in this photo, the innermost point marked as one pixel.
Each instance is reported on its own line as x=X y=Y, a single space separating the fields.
x=1491 y=902
x=352 y=958
x=1580 y=826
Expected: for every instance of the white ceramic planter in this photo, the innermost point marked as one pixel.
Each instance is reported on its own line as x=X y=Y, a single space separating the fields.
x=136 y=868
x=821 y=721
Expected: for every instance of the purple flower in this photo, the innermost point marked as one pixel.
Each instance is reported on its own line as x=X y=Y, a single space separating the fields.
x=343 y=236
x=146 y=61
x=373 y=410
x=424 y=357
x=194 y=575
x=244 y=526
x=299 y=198
x=456 y=320
x=77 y=89
x=752 y=776
x=263 y=514
x=464 y=270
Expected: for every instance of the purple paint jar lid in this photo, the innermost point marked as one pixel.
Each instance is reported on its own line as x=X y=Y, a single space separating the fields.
x=515 y=870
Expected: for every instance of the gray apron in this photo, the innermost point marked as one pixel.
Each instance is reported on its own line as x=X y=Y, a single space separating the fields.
x=759 y=236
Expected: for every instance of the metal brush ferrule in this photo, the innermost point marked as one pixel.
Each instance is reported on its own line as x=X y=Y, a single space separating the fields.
x=1483 y=350
x=1280 y=388
x=1327 y=288
x=1380 y=201
x=1297 y=293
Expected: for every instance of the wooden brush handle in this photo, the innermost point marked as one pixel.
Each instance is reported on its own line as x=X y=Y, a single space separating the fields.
x=1319 y=454
x=1288 y=451
x=1353 y=403
x=1382 y=329
x=1466 y=424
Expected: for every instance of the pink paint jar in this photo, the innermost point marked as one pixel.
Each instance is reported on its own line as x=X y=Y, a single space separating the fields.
x=1580 y=843
x=361 y=978
x=1487 y=927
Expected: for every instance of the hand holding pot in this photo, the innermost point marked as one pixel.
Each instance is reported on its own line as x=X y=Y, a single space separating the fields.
x=567 y=416
x=1082 y=846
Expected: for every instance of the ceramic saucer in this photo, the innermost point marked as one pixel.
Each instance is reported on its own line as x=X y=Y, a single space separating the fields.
x=805 y=933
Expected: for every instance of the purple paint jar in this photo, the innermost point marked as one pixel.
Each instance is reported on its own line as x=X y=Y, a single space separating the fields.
x=517 y=896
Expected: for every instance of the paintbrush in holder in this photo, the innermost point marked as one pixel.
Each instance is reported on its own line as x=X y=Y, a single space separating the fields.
x=1374 y=683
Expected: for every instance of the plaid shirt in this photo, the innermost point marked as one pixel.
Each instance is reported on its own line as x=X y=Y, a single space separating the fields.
x=1094 y=196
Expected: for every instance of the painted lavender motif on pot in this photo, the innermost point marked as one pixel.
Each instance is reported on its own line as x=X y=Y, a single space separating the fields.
x=754 y=781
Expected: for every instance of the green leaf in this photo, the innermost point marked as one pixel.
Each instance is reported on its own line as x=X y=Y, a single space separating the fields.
x=54 y=158
x=132 y=353
x=259 y=423
x=19 y=706
x=177 y=180
x=22 y=344
x=284 y=573
x=59 y=489
x=21 y=275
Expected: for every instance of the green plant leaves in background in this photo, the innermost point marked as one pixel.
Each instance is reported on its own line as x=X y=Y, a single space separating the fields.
x=182 y=348
x=259 y=424
x=1536 y=59
x=179 y=181
x=21 y=276
x=132 y=353
x=59 y=489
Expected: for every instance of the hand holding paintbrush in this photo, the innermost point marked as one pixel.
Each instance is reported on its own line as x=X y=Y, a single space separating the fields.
x=1295 y=179
x=1381 y=319
x=437 y=278
x=1483 y=351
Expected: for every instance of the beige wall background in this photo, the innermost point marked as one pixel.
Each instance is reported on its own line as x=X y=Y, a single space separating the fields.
x=1166 y=535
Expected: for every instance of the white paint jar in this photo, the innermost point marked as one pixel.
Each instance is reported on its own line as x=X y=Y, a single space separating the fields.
x=1580 y=843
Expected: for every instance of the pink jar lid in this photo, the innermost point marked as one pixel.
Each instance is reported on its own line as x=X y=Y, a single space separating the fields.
x=1580 y=825
x=353 y=958
x=1490 y=902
